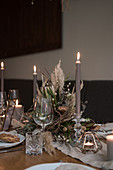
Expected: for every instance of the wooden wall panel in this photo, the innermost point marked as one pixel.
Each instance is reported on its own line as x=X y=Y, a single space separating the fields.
x=27 y=28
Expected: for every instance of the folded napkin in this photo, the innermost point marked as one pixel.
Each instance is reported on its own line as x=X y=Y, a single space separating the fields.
x=105 y=129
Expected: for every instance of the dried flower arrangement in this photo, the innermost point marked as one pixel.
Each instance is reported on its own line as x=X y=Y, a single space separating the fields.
x=64 y=105
x=63 y=102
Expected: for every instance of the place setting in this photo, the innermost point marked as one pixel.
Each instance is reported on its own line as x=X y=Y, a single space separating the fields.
x=10 y=139
x=10 y=111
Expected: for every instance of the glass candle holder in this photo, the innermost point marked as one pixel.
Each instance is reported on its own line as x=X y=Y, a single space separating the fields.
x=77 y=130
x=89 y=143
x=77 y=127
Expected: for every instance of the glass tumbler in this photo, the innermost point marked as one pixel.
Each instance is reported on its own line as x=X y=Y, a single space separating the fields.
x=34 y=143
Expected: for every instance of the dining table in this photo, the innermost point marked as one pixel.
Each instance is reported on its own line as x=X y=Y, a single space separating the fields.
x=13 y=156
x=17 y=159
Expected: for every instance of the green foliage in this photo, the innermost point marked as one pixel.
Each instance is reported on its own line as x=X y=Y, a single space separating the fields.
x=89 y=124
x=50 y=93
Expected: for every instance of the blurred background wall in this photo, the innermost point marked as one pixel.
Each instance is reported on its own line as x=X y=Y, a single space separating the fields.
x=87 y=27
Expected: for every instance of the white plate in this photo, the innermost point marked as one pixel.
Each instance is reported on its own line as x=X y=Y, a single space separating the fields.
x=53 y=166
x=8 y=145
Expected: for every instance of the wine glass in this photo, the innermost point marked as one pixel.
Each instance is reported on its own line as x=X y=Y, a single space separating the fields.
x=44 y=116
x=3 y=105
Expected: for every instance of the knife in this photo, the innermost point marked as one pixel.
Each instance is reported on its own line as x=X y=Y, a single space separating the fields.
x=11 y=150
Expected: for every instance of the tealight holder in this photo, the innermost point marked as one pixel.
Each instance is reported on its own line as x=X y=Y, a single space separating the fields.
x=13 y=100
x=89 y=143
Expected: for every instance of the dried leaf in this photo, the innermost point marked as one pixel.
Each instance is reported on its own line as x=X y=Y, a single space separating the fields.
x=48 y=147
x=57 y=78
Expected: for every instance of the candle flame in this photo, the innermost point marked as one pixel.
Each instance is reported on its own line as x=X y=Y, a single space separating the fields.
x=16 y=102
x=34 y=68
x=78 y=56
x=2 y=116
x=2 y=65
x=88 y=144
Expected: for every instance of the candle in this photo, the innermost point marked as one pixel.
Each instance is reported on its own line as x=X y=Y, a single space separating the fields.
x=109 y=147
x=17 y=105
x=78 y=63
x=18 y=111
x=34 y=83
x=88 y=146
x=2 y=76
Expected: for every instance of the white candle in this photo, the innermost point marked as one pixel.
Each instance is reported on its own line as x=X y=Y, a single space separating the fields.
x=2 y=76
x=109 y=147
x=18 y=111
x=88 y=144
x=34 y=83
x=78 y=63
x=34 y=70
x=17 y=105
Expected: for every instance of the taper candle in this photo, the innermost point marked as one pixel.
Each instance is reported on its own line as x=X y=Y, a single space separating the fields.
x=2 y=76
x=34 y=83
x=78 y=64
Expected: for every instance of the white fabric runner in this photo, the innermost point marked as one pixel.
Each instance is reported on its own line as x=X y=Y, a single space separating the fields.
x=98 y=159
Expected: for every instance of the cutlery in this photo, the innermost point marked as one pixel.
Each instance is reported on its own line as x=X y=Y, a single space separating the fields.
x=11 y=150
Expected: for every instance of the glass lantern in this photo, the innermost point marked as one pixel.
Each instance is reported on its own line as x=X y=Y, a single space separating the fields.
x=89 y=143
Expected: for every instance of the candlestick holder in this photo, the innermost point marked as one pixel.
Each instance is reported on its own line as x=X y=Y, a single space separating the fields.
x=77 y=129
